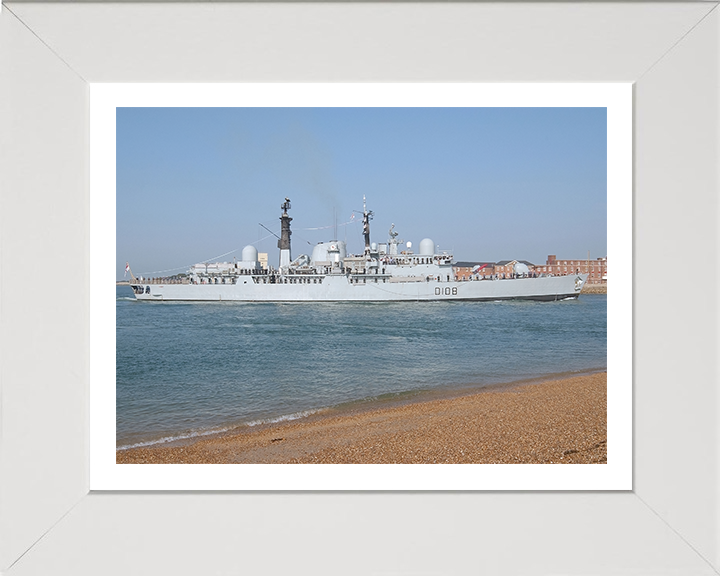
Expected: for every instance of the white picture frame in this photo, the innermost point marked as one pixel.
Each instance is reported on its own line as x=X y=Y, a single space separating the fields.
x=49 y=53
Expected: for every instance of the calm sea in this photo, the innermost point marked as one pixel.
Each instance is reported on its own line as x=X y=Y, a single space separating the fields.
x=188 y=369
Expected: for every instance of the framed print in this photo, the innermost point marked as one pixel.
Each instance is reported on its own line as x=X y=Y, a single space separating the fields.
x=51 y=56
x=306 y=395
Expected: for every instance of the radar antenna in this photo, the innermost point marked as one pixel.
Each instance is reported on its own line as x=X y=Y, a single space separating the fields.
x=393 y=241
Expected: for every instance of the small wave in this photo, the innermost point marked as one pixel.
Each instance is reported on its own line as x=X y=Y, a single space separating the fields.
x=129 y=298
x=286 y=417
x=210 y=432
x=167 y=439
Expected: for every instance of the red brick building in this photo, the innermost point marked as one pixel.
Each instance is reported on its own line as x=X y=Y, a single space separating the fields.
x=595 y=269
x=506 y=268
x=479 y=270
x=465 y=270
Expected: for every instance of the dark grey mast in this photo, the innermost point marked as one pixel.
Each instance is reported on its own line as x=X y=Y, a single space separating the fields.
x=284 y=241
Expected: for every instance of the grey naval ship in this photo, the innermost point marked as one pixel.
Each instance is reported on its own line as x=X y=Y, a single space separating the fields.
x=383 y=273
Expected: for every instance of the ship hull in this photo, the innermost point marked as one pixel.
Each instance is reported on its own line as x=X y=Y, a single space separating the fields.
x=340 y=288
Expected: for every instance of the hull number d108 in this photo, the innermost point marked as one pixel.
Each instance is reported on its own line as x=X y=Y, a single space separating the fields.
x=446 y=291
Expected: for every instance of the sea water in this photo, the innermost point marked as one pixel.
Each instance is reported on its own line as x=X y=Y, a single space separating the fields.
x=188 y=369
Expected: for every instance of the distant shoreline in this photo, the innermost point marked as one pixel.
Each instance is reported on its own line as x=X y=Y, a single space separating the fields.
x=556 y=421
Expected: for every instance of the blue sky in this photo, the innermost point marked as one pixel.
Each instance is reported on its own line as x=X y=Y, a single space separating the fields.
x=488 y=183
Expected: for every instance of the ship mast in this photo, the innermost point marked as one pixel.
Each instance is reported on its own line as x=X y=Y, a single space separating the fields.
x=393 y=241
x=284 y=241
x=367 y=216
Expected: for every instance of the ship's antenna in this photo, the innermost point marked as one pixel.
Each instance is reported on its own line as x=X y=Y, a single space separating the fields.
x=335 y=223
x=392 y=240
x=268 y=229
x=367 y=216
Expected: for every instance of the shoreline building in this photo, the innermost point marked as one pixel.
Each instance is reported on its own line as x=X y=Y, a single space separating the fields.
x=595 y=269
x=506 y=268
x=501 y=269
x=471 y=270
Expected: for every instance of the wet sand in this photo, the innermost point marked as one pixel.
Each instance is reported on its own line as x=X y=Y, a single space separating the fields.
x=559 y=421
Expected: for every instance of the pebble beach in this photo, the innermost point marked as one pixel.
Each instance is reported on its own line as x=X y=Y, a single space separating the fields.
x=553 y=422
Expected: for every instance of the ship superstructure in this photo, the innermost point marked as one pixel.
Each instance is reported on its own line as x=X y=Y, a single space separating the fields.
x=383 y=272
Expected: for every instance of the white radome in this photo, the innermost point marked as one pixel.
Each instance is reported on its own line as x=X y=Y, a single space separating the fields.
x=249 y=254
x=427 y=247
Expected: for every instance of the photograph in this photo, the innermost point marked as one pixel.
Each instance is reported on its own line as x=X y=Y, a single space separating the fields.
x=361 y=285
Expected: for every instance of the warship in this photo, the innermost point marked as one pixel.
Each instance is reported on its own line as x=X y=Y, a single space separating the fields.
x=382 y=273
